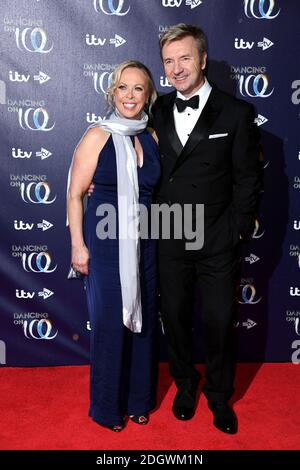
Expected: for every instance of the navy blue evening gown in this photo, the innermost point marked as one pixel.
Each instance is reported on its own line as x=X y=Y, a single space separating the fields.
x=123 y=365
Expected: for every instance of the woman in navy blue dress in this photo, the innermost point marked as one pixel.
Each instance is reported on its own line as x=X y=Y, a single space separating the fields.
x=120 y=157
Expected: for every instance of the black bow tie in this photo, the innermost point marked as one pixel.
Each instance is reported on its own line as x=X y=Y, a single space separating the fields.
x=182 y=104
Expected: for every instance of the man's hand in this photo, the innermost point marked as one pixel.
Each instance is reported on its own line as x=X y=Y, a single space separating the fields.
x=90 y=189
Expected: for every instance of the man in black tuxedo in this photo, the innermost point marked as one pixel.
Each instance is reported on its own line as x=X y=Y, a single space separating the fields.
x=210 y=155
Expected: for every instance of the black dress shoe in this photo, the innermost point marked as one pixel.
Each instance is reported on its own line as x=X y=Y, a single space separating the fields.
x=184 y=405
x=224 y=417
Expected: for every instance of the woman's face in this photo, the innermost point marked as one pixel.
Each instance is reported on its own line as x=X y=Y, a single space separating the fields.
x=132 y=93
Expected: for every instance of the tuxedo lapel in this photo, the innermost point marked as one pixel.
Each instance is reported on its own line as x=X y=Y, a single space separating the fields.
x=209 y=114
x=171 y=133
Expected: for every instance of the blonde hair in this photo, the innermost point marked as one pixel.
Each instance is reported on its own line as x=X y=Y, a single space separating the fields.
x=115 y=80
x=182 y=30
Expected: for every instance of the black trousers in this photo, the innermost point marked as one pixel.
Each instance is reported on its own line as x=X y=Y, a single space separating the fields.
x=217 y=277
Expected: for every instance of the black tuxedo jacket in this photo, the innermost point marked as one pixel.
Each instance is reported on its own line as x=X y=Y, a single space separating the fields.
x=218 y=167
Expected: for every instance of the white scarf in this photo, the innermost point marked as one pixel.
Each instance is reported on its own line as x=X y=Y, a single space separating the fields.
x=128 y=214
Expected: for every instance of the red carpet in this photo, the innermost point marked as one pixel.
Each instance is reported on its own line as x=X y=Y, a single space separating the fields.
x=46 y=408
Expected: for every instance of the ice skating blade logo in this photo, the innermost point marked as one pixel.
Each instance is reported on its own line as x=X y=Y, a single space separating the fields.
x=33 y=42
x=260 y=9
x=110 y=7
x=30 y=119
x=254 y=86
x=37 y=262
x=248 y=294
x=102 y=81
x=38 y=329
x=40 y=194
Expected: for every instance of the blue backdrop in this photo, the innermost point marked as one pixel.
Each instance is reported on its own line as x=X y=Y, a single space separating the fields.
x=56 y=61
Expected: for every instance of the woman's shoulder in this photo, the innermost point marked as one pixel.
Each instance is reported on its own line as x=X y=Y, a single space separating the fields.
x=92 y=142
x=94 y=137
x=96 y=134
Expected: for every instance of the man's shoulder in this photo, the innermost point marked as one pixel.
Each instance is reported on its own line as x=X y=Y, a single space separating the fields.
x=165 y=99
x=230 y=100
x=162 y=103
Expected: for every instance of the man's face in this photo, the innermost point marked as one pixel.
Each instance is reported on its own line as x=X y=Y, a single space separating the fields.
x=182 y=65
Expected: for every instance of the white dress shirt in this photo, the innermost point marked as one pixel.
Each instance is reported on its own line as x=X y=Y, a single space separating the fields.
x=185 y=121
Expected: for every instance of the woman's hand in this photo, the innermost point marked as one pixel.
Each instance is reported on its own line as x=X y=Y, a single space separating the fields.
x=80 y=259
